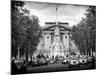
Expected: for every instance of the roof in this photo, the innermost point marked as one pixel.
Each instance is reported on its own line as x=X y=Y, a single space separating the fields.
x=50 y=26
x=58 y=23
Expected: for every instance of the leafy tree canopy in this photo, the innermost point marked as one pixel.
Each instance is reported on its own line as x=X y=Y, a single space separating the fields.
x=25 y=30
x=84 y=33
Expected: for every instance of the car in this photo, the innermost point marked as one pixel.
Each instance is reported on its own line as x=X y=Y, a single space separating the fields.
x=56 y=60
x=65 y=61
x=83 y=60
x=73 y=61
x=19 y=63
x=47 y=60
x=51 y=61
x=43 y=61
x=19 y=66
x=90 y=59
x=61 y=58
x=28 y=63
x=35 y=62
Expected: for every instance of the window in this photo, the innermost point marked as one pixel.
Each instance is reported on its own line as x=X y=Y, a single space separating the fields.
x=65 y=36
x=47 y=36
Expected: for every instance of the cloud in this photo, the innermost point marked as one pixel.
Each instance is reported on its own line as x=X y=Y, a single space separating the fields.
x=47 y=12
x=39 y=5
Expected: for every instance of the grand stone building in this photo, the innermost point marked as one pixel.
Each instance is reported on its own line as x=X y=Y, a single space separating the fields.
x=56 y=40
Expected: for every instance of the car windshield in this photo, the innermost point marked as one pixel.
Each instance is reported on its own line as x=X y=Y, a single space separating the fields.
x=82 y=56
x=73 y=58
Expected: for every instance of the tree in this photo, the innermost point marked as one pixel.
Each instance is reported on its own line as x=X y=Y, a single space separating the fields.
x=33 y=35
x=15 y=14
x=25 y=31
x=84 y=33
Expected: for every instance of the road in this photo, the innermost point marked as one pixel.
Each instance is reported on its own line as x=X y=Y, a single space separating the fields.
x=58 y=67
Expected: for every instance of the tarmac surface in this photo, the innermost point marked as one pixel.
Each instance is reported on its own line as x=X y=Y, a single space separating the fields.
x=59 y=67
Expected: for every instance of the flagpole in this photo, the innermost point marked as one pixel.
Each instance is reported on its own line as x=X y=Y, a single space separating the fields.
x=56 y=14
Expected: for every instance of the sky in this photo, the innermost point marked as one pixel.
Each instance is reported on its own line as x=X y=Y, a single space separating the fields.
x=46 y=12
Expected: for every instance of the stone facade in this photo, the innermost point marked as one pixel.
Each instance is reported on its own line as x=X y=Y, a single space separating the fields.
x=56 y=40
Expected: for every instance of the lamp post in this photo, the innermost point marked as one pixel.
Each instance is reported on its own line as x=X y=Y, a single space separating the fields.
x=18 y=53
x=69 y=43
